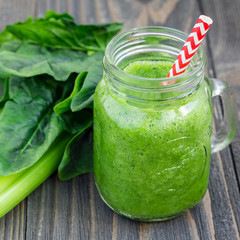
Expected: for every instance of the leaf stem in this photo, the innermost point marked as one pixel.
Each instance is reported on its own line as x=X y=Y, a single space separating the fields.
x=15 y=187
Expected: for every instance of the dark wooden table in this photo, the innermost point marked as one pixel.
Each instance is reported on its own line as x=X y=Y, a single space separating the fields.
x=73 y=209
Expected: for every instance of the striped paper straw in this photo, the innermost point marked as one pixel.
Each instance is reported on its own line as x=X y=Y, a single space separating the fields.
x=190 y=47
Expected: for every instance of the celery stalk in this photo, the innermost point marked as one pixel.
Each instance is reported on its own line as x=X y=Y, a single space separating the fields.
x=14 y=188
x=6 y=181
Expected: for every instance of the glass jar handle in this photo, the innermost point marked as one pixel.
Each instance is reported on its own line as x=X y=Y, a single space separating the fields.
x=228 y=127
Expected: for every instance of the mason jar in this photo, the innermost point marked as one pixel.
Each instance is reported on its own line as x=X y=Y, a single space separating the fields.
x=153 y=136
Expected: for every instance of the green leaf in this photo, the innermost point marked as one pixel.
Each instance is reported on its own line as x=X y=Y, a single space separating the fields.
x=75 y=122
x=65 y=104
x=28 y=123
x=84 y=100
x=39 y=61
x=60 y=31
x=15 y=187
x=82 y=94
x=11 y=46
x=78 y=156
x=4 y=91
x=106 y=35
x=99 y=37
x=2 y=87
x=32 y=99
x=95 y=73
x=30 y=60
x=6 y=37
x=49 y=15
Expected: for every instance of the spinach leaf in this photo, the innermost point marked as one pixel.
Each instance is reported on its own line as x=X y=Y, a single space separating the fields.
x=11 y=46
x=27 y=123
x=60 y=31
x=4 y=91
x=50 y=14
x=39 y=61
x=103 y=37
x=31 y=60
x=75 y=122
x=2 y=86
x=84 y=97
x=85 y=84
x=78 y=155
x=6 y=37
x=65 y=104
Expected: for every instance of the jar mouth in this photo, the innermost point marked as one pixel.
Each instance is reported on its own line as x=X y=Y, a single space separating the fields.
x=152 y=39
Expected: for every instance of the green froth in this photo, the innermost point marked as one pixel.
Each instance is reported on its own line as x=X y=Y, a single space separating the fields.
x=149 y=69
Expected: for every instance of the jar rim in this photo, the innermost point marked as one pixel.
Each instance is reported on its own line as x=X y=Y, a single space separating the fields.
x=155 y=30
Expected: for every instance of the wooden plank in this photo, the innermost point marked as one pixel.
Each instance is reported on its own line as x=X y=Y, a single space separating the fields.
x=76 y=9
x=103 y=12
x=133 y=14
x=61 y=224
x=60 y=210
x=40 y=9
x=202 y=215
x=203 y=218
x=104 y=224
x=68 y=210
x=224 y=38
x=101 y=215
x=14 y=10
x=40 y=211
x=222 y=209
x=126 y=228
x=235 y=146
x=81 y=212
x=141 y=13
x=13 y=224
x=73 y=209
x=230 y=168
x=64 y=212
x=227 y=161
x=90 y=13
x=223 y=46
x=177 y=228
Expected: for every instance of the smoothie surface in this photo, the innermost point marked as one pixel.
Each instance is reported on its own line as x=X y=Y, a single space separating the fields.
x=149 y=69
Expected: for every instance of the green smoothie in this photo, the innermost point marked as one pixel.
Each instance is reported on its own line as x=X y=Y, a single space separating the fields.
x=151 y=163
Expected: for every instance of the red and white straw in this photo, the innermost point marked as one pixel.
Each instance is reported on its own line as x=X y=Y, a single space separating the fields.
x=190 y=47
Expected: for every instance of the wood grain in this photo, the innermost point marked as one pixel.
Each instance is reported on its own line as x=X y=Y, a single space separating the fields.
x=234 y=150
x=223 y=45
x=14 y=10
x=224 y=38
x=202 y=215
x=74 y=209
x=13 y=225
